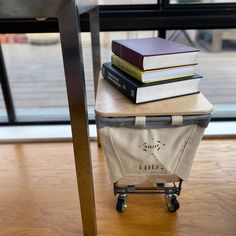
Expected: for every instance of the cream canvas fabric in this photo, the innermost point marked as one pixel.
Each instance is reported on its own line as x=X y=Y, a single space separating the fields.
x=150 y=155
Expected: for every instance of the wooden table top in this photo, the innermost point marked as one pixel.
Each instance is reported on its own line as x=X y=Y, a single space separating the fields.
x=111 y=103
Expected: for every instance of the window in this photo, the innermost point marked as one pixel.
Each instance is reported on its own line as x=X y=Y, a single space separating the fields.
x=36 y=76
x=35 y=72
x=35 y=67
x=217 y=63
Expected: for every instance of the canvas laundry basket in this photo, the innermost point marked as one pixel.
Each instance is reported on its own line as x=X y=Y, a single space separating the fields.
x=150 y=149
x=152 y=142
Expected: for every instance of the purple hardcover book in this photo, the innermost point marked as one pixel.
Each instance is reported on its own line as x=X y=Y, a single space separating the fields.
x=154 y=53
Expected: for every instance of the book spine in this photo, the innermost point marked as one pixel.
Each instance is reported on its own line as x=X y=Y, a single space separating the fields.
x=127 y=54
x=123 y=85
x=127 y=68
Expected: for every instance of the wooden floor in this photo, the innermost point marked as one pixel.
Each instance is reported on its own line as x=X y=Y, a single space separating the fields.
x=38 y=195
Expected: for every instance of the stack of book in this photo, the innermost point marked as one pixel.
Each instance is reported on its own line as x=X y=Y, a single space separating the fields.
x=150 y=69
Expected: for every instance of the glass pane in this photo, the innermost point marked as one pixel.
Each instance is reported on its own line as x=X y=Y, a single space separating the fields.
x=121 y=2
x=217 y=64
x=35 y=71
x=200 y=1
x=3 y=113
x=36 y=75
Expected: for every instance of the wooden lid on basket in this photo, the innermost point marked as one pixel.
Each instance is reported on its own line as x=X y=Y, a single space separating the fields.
x=111 y=103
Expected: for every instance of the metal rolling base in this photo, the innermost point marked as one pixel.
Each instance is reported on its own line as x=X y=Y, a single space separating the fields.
x=169 y=192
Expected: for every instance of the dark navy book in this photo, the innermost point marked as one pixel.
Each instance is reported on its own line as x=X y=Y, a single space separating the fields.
x=139 y=92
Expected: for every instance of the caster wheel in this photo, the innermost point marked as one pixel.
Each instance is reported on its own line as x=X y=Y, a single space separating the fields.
x=120 y=205
x=171 y=202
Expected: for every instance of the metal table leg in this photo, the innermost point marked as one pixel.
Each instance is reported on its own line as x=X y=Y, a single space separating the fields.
x=69 y=27
x=95 y=39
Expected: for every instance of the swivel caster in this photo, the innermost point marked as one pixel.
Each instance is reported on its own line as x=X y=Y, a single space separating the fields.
x=171 y=201
x=120 y=205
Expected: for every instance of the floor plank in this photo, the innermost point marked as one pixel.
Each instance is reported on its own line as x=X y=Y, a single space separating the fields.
x=38 y=195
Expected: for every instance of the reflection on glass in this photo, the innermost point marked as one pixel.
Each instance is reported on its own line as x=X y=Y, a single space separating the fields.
x=200 y=1
x=122 y=2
